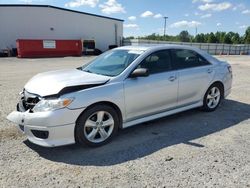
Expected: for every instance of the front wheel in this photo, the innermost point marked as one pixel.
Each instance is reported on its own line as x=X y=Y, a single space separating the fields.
x=97 y=125
x=212 y=98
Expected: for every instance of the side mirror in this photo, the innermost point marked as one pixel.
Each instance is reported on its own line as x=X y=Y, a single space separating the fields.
x=139 y=72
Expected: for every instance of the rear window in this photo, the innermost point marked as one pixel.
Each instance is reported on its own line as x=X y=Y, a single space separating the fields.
x=183 y=58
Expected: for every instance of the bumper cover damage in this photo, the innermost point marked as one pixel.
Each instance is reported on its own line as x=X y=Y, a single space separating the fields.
x=59 y=124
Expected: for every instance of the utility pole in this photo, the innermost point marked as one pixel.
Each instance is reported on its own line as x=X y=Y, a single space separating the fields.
x=165 y=20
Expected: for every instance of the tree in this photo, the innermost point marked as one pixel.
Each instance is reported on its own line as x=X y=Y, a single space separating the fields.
x=211 y=38
x=236 y=38
x=247 y=36
x=199 y=38
x=184 y=36
x=227 y=39
x=153 y=36
x=222 y=37
x=218 y=37
x=130 y=37
x=206 y=36
x=242 y=39
x=203 y=38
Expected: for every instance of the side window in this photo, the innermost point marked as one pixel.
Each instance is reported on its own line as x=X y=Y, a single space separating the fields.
x=157 y=62
x=186 y=59
x=203 y=61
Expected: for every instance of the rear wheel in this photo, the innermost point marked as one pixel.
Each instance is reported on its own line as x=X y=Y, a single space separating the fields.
x=212 y=98
x=97 y=125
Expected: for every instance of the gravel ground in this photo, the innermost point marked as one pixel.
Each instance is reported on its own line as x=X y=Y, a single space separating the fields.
x=189 y=149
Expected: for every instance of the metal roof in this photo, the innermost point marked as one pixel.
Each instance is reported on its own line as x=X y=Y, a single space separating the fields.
x=59 y=8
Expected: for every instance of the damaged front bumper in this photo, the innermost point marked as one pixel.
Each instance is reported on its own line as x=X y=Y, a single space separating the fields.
x=49 y=129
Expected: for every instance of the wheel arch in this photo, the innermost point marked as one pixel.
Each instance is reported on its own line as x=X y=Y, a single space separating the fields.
x=219 y=84
x=111 y=104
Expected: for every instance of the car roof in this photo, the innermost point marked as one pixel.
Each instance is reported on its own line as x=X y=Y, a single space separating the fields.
x=156 y=47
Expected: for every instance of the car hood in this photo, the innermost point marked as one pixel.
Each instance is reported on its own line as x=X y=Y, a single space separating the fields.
x=53 y=82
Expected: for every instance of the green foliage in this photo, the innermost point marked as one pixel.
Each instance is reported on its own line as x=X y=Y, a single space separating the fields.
x=160 y=37
x=236 y=38
x=218 y=37
x=184 y=36
x=227 y=39
x=130 y=37
x=247 y=36
x=212 y=38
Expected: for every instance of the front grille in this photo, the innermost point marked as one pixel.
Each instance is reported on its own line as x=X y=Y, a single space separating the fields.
x=27 y=101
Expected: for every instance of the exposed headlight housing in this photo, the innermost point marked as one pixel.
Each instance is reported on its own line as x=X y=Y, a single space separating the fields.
x=45 y=105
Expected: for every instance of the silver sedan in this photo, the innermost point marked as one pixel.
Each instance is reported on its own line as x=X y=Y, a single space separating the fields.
x=120 y=88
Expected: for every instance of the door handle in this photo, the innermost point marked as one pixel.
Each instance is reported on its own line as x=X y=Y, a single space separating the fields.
x=209 y=71
x=172 y=78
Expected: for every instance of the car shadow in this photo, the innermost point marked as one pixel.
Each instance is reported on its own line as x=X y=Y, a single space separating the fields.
x=147 y=138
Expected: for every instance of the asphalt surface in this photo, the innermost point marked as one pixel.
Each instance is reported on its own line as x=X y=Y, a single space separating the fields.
x=189 y=149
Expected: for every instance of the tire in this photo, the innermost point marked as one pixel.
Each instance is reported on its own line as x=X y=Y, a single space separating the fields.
x=212 y=98
x=96 y=126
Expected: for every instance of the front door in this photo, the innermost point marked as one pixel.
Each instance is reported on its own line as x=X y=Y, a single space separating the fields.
x=155 y=93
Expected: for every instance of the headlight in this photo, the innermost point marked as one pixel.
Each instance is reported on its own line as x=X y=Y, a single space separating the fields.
x=52 y=104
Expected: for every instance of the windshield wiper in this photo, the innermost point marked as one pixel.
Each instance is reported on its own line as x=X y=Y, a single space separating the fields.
x=96 y=73
x=106 y=75
x=87 y=71
x=79 y=68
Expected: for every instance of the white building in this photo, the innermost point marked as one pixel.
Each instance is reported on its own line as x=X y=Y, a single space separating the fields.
x=49 y=22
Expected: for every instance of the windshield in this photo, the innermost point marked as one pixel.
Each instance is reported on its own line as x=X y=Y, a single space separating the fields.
x=112 y=63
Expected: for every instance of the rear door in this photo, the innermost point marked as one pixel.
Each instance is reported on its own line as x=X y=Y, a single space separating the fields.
x=195 y=74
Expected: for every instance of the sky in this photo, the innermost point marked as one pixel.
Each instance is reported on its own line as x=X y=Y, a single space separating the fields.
x=144 y=17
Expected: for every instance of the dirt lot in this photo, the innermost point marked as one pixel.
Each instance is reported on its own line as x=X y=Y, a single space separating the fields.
x=190 y=149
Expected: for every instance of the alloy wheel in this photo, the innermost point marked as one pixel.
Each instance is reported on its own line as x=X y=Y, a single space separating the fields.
x=213 y=97
x=99 y=126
